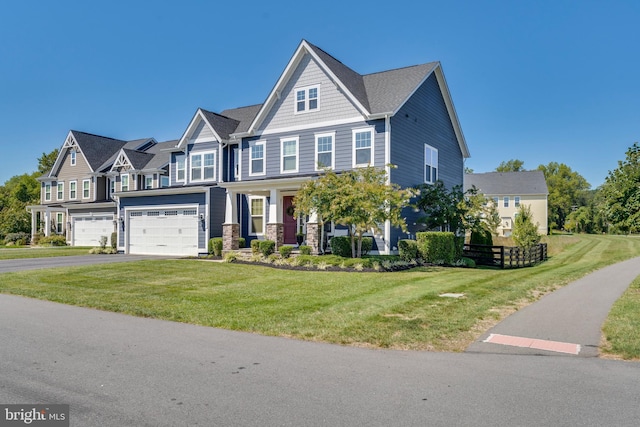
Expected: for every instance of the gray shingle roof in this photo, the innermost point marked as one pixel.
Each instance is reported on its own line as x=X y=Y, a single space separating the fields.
x=244 y=115
x=138 y=159
x=507 y=183
x=221 y=124
x=97 y=149
x=161 y=154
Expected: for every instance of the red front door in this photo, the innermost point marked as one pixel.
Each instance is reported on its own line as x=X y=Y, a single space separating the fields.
x=289 y=221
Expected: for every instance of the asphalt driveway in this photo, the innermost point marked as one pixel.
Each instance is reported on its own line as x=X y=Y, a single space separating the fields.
x=10 y=265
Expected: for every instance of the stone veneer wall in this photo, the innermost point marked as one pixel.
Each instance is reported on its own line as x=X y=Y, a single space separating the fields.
x=230 y=237
x=275 y=232
x=313 y=237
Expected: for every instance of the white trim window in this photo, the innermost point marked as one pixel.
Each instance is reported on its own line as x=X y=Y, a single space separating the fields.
x=73 y=190
x=164 y=181
x=203 y=166
x=289 y=157
x=430 y=164
x=148 y=182
x=516 y=201
x=86 y=188
x=59 y=223
x=505 y=201
x=124 y=182
x=60 y=188
x=112 y=187
x=257 y=157
x=362 y=147
x=181 y=167
x=47 y=192
x=256 y=216
x=73 y=157
x=325 y=153
x=307 y=99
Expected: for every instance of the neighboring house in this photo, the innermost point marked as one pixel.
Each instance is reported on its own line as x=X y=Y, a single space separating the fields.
x=76 y=193
x=510 y=190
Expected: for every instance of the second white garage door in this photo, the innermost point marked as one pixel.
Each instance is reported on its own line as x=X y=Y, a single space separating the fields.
x=163 y=232
x=88 y=230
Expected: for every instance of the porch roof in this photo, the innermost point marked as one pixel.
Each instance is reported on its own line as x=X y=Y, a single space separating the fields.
x=266 y=185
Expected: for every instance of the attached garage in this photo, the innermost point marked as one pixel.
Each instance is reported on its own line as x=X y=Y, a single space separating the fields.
x=87 y=230
x=168 y=231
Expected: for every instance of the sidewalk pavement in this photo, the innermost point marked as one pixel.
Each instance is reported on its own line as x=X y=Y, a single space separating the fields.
x=565 y=322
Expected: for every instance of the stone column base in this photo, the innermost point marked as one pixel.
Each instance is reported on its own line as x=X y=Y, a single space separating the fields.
x=230 y=237
x=313 y=237
x=275 y=232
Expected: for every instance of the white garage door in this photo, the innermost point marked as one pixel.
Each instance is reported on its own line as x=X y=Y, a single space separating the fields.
x=87 y=231
x=163 y=232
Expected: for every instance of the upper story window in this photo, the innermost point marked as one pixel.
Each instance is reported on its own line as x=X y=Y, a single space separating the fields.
x=516 y=201
x=164 y=181
x=256 y=158
x=60 y=188
x=180 y=167
x=362 y=147
x=148 y=182
x=86 y=185
x=72 y=156
x=430 y=164
x=124 y=183
x=495 y=201
x=112 y=187
x=289 y=150
x=47 y=192
x=73 y=190
x=325 y=154
x=307 y=99
x=505 y=201
x=203 y=166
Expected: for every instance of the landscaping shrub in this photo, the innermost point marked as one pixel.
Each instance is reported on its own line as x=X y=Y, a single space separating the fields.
x=459 y=246
x=481 y=237
x=367 y=245
x=103 y=242
x=255 y=246
x=408 y=249
x=20 y=238
x=267 y=247
x=215 y=246
x=55 y=240
x=242 y=243
x=285 y=251
x=305 y=250
x=436 y=247
x=341 y=245
x=114 y=241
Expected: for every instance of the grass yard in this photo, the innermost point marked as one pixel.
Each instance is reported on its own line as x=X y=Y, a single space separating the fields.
x=400 y=310
x=622 y=328
x=40 y=252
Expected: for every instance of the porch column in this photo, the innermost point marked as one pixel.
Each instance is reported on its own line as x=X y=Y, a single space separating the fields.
x=230 y=228
x=275 y=226
x=47 y=222
x=34 y=223
x=313 y=234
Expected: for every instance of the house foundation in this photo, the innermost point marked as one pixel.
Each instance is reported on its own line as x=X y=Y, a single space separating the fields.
x=313 y=237
x=275 y=232
x=230 y=237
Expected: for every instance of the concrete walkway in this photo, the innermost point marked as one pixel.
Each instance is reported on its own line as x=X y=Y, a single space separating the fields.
x=565 y=322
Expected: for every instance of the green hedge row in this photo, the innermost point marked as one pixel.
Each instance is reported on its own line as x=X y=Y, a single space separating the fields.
x=432 y=247
x=341 y=245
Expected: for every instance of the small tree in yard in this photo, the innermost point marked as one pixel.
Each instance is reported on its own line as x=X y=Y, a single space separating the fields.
x=525 y=232
x=360 y=199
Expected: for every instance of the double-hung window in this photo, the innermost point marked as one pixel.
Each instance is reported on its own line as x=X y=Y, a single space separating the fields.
x=256 y=209
x=124 y=183
x=86 y=188
x=516 y=201
x=289 y=150
x=203 y=166
x=112 y=187
x=180 y=167
x=505 y=201
x=59 y=223
x=73 y=190
x=363 y=147
x=148 y=182
x=256 y=158
x=72 y=157
x=307 y=99
x=430 y=164
x=164 y=181
x=47 y=192
x=60 y=191
x=325 y=150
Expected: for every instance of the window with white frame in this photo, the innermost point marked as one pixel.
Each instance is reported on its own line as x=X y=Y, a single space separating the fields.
x=72 y=157
x=164 y=181
x=516 y=201
x=60 y=188
x=430 y=164
x=73 y=190
x=362 y=147
x=256 y=210
x=289 y=150
x=47 y=192
x=307 y=99
x=112 y=187
x=148 y=182
x=180 y=167
x=324 y=150
x=505 y=201
x=86 y=186
x=124 y=182
x=203 y=166
x=496 y=200
x=59 y=222
x=256 y=158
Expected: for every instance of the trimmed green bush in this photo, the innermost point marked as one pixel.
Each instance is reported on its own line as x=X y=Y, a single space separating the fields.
x=242 y=243
x=114 y=241
x=267 y=247
x=305 y=250
x=20 y=238
x=285 y=251
x=367 y=245
x=408 y=249
x=341 y=245
x=55 y=240
x=215 y=246
x=459 y=246
x=481 y=237
x=255 y=246
x=437 y=247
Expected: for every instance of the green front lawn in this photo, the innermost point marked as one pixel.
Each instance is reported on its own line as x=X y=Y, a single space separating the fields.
x=40 y=252
x=401 y=310
x=622 y=328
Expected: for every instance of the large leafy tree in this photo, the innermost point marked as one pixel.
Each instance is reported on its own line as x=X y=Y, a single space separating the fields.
x=513 y=165
x=46 y=161
x=360 y=199
x=567 y=191
x=621 y=193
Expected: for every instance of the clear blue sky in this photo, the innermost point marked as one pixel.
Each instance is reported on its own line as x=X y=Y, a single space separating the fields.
x=550 y=80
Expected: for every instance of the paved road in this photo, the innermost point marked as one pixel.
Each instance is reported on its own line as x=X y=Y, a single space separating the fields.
x=572 y=314
x=116 y=370
x=9 y=265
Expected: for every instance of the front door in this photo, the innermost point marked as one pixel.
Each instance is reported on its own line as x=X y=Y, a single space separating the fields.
x=289 y=221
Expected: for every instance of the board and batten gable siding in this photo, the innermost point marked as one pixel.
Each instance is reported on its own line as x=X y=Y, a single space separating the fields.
x=333 y=104
x=307 y=149
x=423 y=119
x=68 y=173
